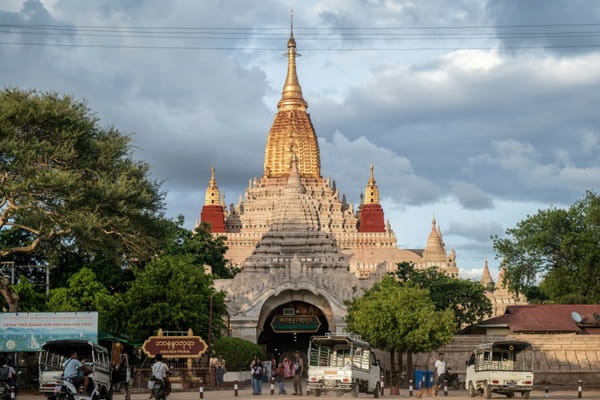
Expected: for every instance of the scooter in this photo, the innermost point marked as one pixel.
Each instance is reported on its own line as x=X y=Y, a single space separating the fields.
x=158 y=389
x=7 y=392
x=66 y=390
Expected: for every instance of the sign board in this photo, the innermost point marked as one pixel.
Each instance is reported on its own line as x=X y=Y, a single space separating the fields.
x=28 y=331
x=175 y=346
x=295 y=323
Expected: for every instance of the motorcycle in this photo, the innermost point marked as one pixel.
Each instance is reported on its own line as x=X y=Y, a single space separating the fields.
x=66 y=390
x=7 y=392
x=453 y=381
x=158 y=389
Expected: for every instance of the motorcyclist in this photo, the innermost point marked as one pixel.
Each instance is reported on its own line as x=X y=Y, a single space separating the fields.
x=160 y=370
x=74 y=370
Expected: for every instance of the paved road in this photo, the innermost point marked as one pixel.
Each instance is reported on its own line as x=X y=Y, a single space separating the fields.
x=247 y=393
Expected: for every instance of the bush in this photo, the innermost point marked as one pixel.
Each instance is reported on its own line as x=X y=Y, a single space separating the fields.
x=237 y=352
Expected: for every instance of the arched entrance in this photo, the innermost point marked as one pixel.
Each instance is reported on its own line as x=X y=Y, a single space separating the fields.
x=287 y=326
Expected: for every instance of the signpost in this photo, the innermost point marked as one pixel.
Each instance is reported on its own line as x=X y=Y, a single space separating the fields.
x=175 y=346
x=295 y=323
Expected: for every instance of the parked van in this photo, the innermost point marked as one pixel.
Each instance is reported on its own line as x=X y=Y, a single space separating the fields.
x=503 y=367
x=53 y=356
x=342 y=363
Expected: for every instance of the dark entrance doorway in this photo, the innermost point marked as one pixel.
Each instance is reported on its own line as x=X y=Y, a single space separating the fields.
x=289 y=327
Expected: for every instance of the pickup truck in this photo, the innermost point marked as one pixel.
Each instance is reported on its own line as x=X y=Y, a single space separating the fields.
x=504 y=367
x=342 y=363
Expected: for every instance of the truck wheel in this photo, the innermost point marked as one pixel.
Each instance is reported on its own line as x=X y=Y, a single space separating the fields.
x=377 y=391
x=317 y=392
x=472 y=391
x=355 y=389
x=487 y=390
x=510 y=395
x=525 y=395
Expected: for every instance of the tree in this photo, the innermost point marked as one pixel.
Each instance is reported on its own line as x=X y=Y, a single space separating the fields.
x=394 y=316
x=171 y=293
x=465 y=298
x=83 y=293
x=30 y=300
x=237 y=352
x=64 y=179
x=202 y=246
x=562 y=246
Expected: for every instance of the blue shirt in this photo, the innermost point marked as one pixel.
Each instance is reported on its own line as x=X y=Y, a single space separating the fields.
x=71 y=368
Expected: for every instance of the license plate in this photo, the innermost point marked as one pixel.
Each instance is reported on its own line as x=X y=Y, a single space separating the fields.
x=57 y=388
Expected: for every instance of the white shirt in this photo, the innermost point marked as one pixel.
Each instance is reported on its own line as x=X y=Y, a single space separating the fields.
x=440 y=367
x=159 y=370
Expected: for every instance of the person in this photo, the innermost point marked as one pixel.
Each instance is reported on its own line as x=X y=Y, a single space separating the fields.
x=160 y=370
x=298 y=371
x=279 y=378
x=7 y=372
x=287 y=368
x=257 y=373
x=220 y=366
x=74 y=370
x=440 y=369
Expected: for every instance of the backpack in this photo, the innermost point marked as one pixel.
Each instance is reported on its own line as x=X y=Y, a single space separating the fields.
x=4 y=373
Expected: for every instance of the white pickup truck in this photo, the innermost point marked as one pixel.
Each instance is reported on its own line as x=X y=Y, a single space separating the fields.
x=342 y=363
x=503 y=367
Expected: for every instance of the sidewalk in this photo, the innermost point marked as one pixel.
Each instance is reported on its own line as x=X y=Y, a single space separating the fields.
x=266 y=394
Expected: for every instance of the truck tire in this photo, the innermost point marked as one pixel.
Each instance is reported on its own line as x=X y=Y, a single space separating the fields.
x=317 y=392
x=472 y=391
x=355 y=389
x=487 y=390
x=377 y=391
x=525 y=395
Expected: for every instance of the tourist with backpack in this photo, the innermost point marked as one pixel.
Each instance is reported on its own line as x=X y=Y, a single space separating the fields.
x=258 y=370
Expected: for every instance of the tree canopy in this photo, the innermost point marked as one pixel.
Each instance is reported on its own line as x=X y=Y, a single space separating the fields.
x=171 y=293
x=465 y=298
x=399 y=317
x=560 y=246
x=65 y=179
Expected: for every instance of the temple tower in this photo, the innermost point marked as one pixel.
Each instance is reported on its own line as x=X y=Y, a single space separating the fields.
x=213 y=210
x=371 y=213
x=292 y=131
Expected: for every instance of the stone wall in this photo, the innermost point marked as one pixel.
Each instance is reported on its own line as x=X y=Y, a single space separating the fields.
x=560 y=359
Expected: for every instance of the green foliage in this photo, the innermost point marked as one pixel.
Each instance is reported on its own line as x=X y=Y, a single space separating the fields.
x=561 y=246
x=465 y=298
x=202 y=246
x=399 y=317
x=237 y=352
x=30 y=300
x=63 y=178
x=170 y=293
x=83 y=293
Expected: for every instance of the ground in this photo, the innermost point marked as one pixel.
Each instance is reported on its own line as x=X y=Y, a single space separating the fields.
x=569 y=393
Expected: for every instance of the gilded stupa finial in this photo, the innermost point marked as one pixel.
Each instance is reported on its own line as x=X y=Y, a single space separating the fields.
x=291 y=96
x=212 y=196
x=371 y=191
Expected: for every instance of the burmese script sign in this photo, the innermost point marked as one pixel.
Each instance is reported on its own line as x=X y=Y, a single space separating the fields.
x=295 y=323
x=175 y=346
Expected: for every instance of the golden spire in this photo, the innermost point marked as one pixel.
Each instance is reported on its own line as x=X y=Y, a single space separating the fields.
x=291 y=96
x=371 y=191
x=212 y=196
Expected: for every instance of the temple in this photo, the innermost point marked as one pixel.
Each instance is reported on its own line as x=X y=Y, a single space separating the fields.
x=302 y=249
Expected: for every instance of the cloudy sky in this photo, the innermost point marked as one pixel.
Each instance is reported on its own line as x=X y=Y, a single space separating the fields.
x=480 y=112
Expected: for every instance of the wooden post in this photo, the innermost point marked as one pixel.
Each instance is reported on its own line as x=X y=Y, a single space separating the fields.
x=579 y=389
x=445 y=387
x=410 y=387
x=272 y=385
x=201 y=389
x=235 y=388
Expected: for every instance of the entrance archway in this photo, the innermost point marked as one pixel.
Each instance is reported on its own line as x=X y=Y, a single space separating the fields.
x=288 y=327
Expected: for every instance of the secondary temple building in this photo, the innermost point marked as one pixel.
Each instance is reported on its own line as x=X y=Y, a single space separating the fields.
x=302 y=250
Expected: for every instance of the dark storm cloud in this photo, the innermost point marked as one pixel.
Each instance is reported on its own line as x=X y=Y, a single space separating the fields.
x=470 y=196
x=479 y=231
x=551 y=16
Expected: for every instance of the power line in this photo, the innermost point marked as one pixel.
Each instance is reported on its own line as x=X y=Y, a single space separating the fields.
x=120 y=46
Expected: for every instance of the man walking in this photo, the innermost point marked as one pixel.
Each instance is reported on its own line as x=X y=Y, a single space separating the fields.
x=298 y=371
x=220 y=365
x=440 y=369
